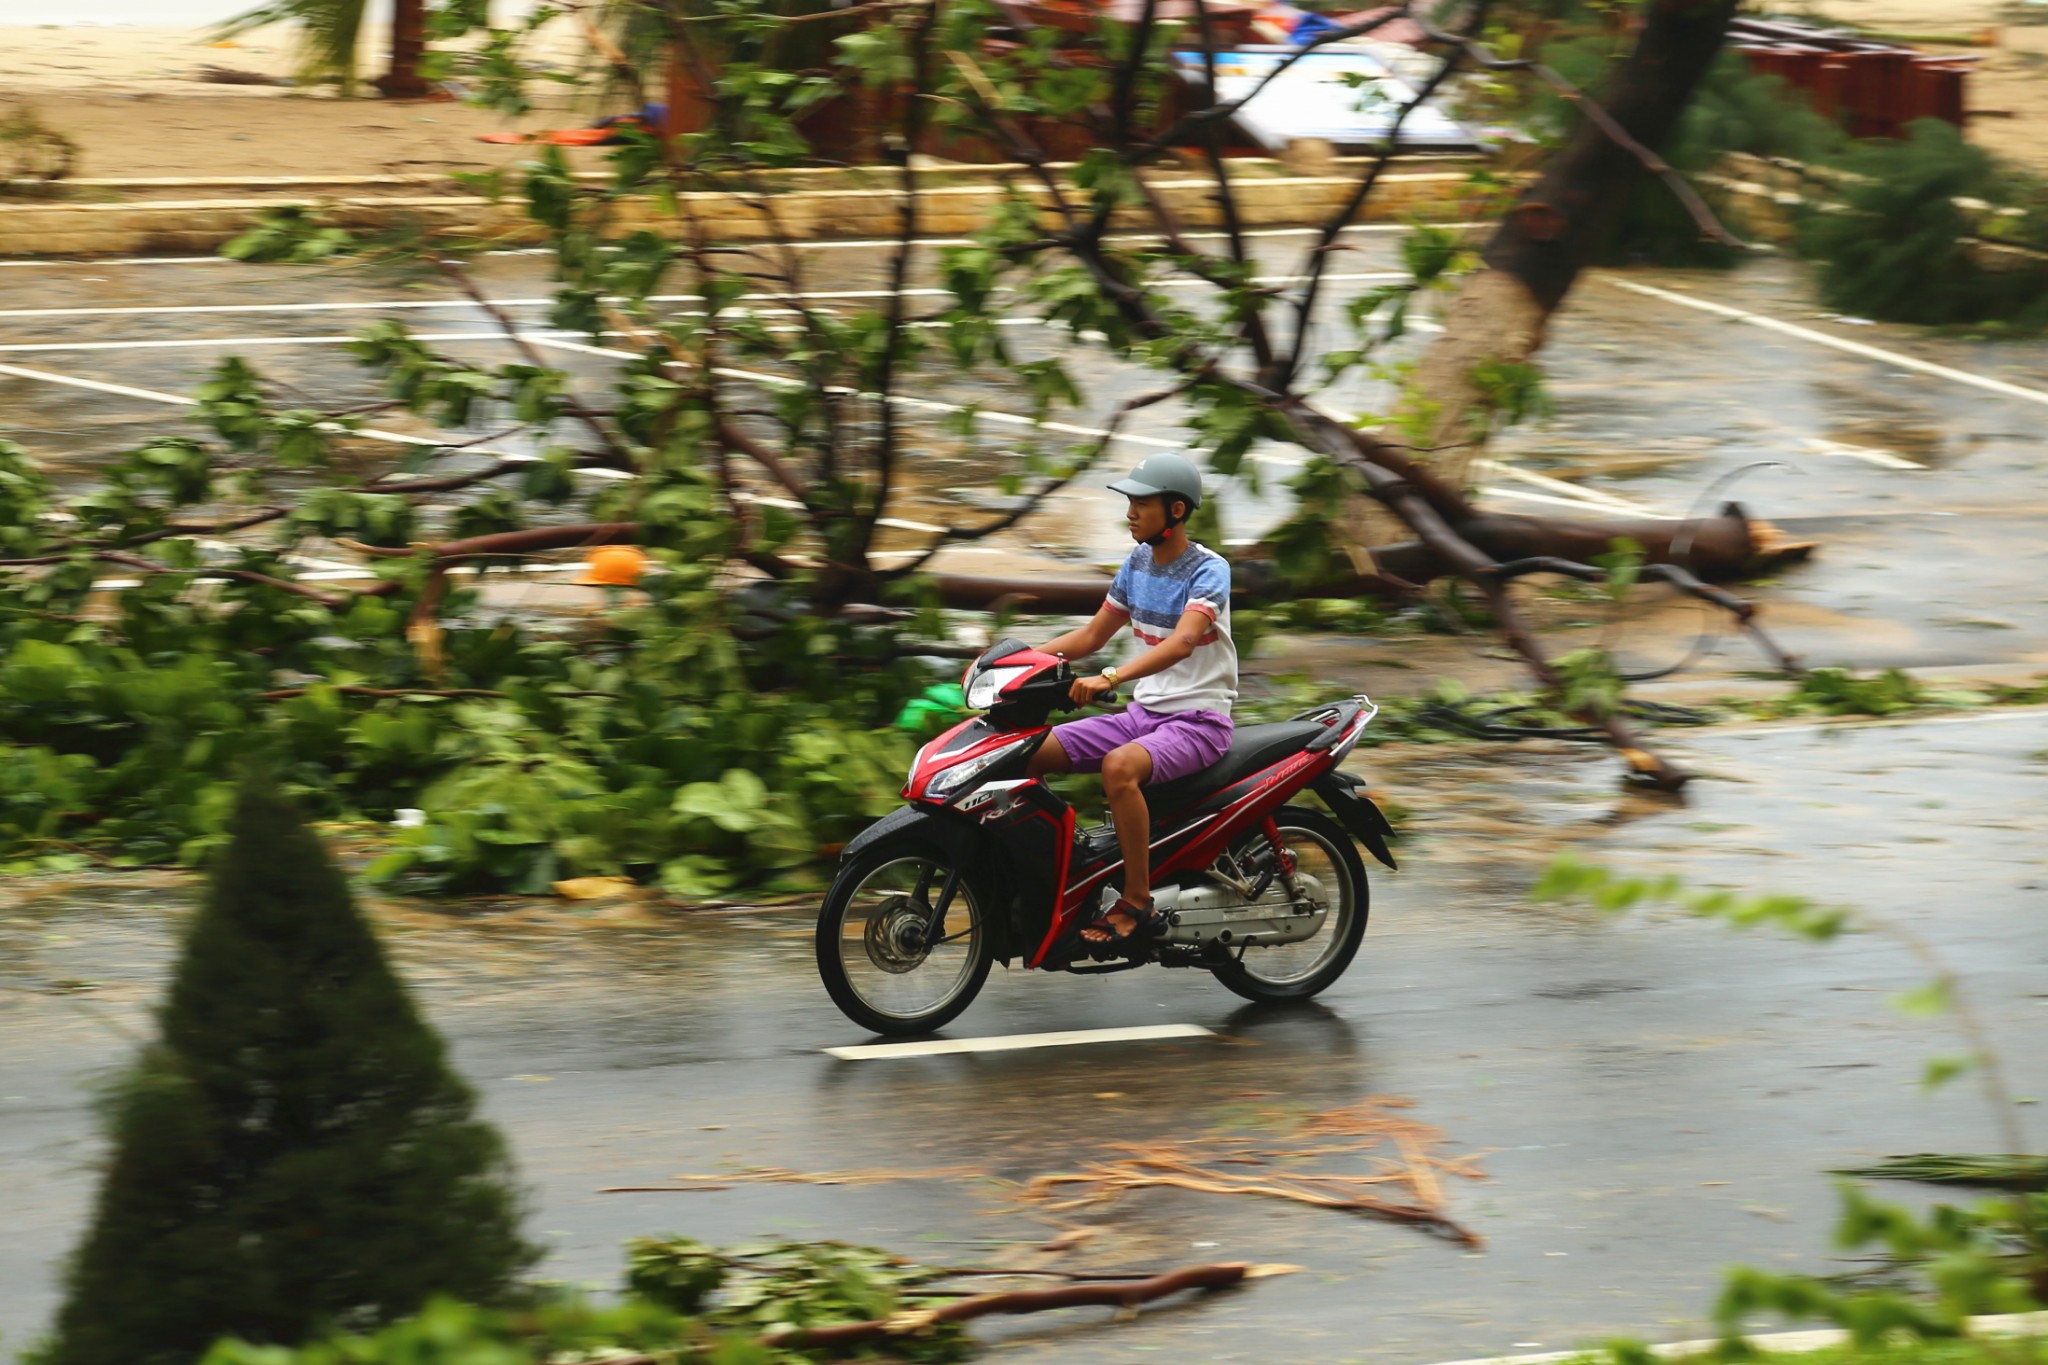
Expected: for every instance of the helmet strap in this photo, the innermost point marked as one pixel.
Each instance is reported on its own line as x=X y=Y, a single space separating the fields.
x=1172 y=521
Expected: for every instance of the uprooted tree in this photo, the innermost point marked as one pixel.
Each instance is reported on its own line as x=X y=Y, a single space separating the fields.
x=771 y=438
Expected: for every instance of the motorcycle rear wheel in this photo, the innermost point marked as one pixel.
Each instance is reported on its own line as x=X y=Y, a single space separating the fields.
x=1296 y=971
x=877 y=954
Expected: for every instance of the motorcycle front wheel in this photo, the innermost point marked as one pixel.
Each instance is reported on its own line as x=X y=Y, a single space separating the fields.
x=1296 y=971
x=903 y=939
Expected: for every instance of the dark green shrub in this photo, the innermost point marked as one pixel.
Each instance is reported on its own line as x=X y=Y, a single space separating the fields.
x=1900 y=250
x=293 y=1154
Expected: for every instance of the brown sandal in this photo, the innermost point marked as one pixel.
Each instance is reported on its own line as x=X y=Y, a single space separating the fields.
x=1146 y=922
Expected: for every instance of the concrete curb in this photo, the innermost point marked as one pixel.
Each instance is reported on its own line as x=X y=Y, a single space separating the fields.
x=817 y=206
x=1995 y=1325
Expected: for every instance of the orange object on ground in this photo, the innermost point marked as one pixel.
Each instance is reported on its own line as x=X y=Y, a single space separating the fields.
x=614 y=566
x=558 y=137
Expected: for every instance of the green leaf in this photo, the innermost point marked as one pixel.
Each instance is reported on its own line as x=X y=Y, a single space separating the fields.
x=1922 y=1001
x=1939 y=1071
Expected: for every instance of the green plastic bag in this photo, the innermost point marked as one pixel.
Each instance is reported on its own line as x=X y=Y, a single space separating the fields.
x=939 y=702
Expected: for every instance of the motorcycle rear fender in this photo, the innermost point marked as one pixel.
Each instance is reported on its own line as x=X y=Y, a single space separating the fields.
x=956 y=837
x=1361 y=819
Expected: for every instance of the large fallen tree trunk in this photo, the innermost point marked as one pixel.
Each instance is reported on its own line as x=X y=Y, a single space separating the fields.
x=1718 y=549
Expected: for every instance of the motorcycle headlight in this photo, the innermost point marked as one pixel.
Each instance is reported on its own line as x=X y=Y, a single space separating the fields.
x=985 y=689
x=952 y=778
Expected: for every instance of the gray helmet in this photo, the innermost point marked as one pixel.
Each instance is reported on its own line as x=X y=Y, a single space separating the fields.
x=1173 y=475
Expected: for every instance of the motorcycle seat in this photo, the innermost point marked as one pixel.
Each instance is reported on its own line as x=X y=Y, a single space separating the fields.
x=1252 y=747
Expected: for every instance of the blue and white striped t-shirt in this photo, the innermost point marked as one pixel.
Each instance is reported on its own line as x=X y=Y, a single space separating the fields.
x=1155 y=597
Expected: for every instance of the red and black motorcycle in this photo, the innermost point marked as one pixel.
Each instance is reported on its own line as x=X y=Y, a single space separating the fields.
x=985 y=864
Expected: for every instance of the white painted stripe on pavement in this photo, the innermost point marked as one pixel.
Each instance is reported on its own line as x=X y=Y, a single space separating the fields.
x=1904 y=362
x=856 y=245
x=1991 y=1325
x=784 y=382
x=769 y=296
x=1840 y=723
x=1524 y=495
x=199 y=343
x=945 y=1047
x=98 y=386
x=1883 y=458
x=1564 y=489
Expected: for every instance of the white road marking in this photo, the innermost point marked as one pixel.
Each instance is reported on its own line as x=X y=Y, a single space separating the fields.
x=365 y=433
x=1885 y=458
x=768 y=296
x=1550 y=499
x=1578 y=492
x=1880 y=722
x=98 y=386
x=1904 y=362
x=869 y=244
x=196 y=343
x=945 y=1047
x=929 y=405
x=1789 y=1343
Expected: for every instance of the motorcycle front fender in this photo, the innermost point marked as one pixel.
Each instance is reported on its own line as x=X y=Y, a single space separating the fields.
x=918 y=820
x=1361 y=819
x=958 y=839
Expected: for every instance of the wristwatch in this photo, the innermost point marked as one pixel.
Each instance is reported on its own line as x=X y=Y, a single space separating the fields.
x=1109 y=675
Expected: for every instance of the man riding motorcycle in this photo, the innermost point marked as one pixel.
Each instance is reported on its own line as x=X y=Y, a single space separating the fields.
x=1175 y=595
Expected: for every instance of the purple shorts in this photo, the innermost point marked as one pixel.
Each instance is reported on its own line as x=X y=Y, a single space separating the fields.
x=1180 y=742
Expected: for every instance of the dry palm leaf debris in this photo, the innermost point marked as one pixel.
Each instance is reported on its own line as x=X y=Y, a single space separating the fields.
x=782 y=1175
x=1402 y=1181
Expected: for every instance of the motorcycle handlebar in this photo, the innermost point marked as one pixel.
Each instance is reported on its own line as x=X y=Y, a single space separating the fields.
x=1106 y=699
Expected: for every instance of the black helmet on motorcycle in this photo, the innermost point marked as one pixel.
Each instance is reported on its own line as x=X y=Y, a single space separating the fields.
x=1165 y=475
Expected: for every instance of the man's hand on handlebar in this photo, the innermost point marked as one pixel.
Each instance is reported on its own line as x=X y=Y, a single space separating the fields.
x=1091 y=689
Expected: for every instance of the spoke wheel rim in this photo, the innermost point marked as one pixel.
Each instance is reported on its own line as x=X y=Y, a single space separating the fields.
x=1288 y=964
x=893 y=959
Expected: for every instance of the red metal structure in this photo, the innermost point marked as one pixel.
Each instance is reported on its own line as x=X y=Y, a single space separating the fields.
x=1873 y=88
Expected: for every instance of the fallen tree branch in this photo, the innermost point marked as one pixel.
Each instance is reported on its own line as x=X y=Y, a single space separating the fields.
x=1126 y=1294
x=325 y=599
x=1743 y=612
x=347 y=689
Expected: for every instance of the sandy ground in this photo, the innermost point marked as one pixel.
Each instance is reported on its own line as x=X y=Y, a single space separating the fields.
x=134 y=101
x=2008 y=93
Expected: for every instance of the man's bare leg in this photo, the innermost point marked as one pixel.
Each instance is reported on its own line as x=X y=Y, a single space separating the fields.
x=1049 y=757
x=1124 y=771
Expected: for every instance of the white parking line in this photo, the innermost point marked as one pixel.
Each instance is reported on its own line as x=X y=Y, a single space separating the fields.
x=98 y=386
x=1549 y=499
x=945 y=1047
x=371 y=305
x=155 y=396
x=925 y=404
x=1593 y=501
x=861 y=244
x=1840 y=723
x=1573 y=491
x=1883 y=458
x=1904 y=362
x=198 y=343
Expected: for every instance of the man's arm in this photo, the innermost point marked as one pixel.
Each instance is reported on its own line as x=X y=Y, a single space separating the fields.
x=1082 y=641
x=1194 y=623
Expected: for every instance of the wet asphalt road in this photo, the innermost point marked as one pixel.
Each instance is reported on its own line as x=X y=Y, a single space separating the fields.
x=1655 y=1097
